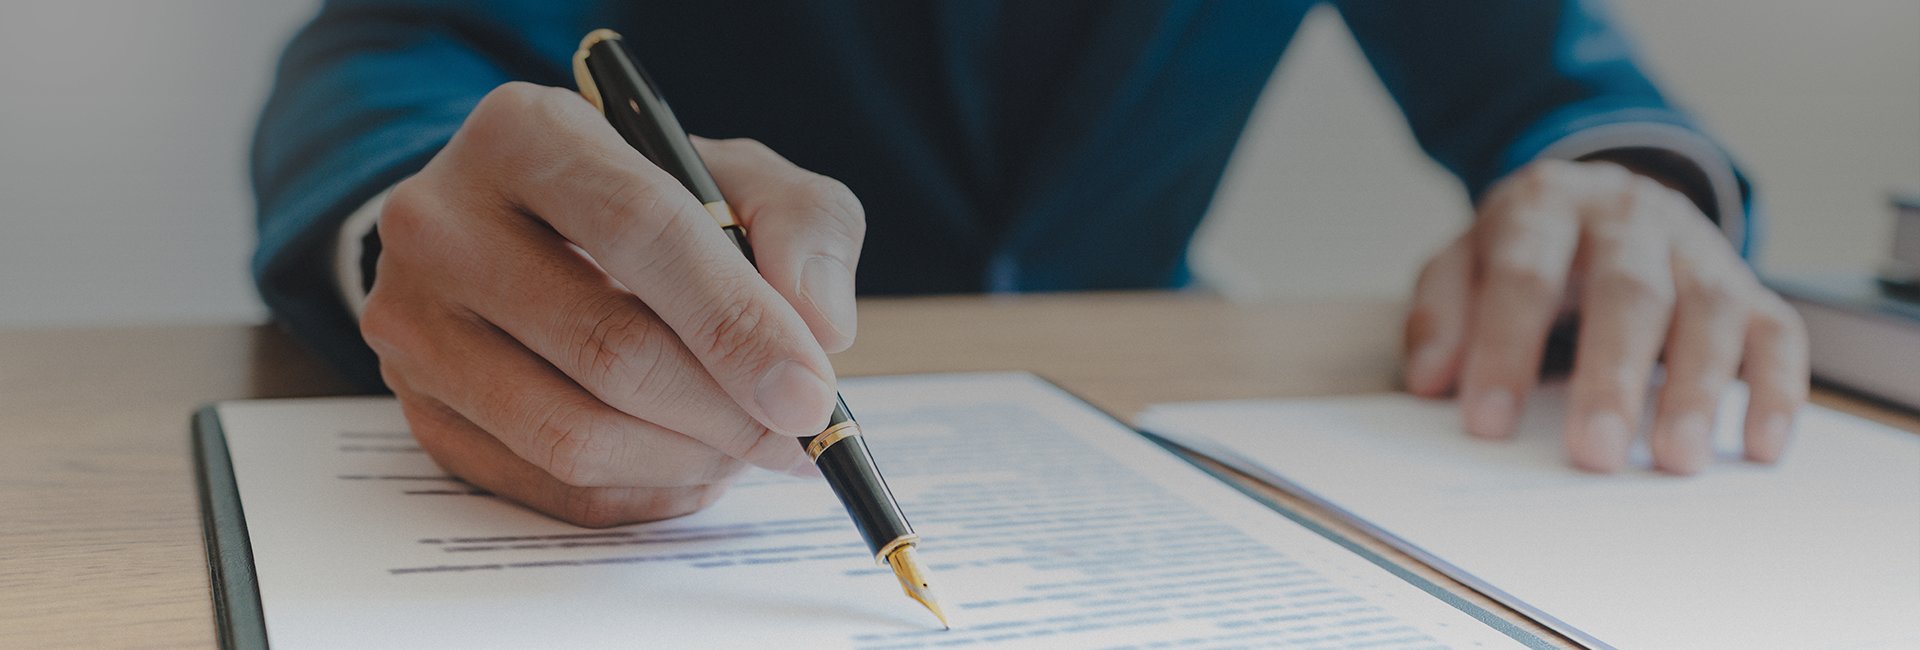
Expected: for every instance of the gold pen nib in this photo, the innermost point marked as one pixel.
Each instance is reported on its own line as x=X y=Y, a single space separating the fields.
x=913 y=580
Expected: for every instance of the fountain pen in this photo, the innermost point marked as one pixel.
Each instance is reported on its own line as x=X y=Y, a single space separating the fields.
x=617 y=85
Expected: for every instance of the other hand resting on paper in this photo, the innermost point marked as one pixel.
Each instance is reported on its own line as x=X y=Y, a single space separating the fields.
x=566 y=326
x=1648 y=276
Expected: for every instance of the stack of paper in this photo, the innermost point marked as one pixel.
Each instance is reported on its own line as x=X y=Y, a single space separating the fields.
x=1820 y=551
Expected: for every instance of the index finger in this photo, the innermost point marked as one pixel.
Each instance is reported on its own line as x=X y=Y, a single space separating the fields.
x=1526 y=245
x=649 y=233
x=1624 y=318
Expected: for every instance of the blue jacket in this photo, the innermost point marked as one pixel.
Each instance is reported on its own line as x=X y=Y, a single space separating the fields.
x=997 y=145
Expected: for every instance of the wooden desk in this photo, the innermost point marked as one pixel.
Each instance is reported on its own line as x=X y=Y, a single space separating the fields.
x=100 y=529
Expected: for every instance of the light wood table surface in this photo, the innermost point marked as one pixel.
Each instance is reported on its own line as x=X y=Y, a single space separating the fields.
x=100 y=526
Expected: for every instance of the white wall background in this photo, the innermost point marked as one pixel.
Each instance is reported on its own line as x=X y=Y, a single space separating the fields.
x=124 y=127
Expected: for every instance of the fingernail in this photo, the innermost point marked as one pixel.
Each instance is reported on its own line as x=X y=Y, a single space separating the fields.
x=1491 y=414
x=1690 y=444
x=1605 y=446
x=827 y=286
x=1773 y=440
x=794 y=399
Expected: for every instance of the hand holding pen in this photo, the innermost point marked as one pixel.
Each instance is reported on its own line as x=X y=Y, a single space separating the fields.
x=566 y=327
x=619 y=87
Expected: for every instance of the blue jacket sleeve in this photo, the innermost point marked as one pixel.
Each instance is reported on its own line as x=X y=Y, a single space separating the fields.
x=1491 y=85
x=364 y=95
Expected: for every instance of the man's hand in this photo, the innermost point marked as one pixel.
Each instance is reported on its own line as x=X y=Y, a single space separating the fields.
x=566 y=326
x=1648 y=276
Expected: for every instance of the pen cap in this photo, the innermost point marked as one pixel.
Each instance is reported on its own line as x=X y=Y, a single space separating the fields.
x=633 y=104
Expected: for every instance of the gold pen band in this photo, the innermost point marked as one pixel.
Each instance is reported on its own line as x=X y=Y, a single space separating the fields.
x=833 y=434
x=894 y=545
x=721 y=213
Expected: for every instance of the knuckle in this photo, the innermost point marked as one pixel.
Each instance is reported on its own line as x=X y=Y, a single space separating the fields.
x=503 y=108
x=1715 y=285
x=1651 y=192
x=577 y=452
x=1537 y=176
x=1776 y=321
x=378 y=327
x=834 y=200
x=1609 y=174
x=510 y=96
x=404 y=216
x=1713 y=294
x=735 y=324
x=1644 y=202
x=1550 y=175
x=622 y=348
x=561 y=117
x=522 y=100
x=641 y=216
x=1615 y=221
x=1522 y=276
x=391 y=376
x=387 y=327
x=1632 y=287
x=522 y=125
x=1502 y=214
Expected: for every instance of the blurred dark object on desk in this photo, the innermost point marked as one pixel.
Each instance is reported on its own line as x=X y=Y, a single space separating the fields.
x=1864 y=331
x=1901 y=277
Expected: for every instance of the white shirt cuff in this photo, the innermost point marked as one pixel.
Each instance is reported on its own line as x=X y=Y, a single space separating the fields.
x=349 y=247
x=1696 y=148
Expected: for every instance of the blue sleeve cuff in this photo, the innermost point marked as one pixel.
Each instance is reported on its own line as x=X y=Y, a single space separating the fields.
x=293 y=264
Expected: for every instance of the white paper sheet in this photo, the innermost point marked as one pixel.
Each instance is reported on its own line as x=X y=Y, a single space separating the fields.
x=1045 y=525
x=1821 y=551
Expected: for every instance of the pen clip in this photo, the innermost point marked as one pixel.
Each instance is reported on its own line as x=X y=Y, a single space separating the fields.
x=584 y=77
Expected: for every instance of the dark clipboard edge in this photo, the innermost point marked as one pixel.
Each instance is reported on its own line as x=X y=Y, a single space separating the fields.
x=1192 y=457
x=1489 y=618
x=237 y=611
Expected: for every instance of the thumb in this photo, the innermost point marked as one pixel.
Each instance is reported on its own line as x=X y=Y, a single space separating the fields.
x=1436 y=326
x=805 y=228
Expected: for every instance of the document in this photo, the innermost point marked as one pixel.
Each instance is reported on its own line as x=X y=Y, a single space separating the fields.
x=1819 y=551
x=1045 y=525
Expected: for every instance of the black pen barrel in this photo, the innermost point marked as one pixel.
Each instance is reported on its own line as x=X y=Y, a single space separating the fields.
x=841 y=454
x=645 y=121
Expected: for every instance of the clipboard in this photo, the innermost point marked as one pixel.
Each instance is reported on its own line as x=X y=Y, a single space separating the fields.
x=240 y=622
